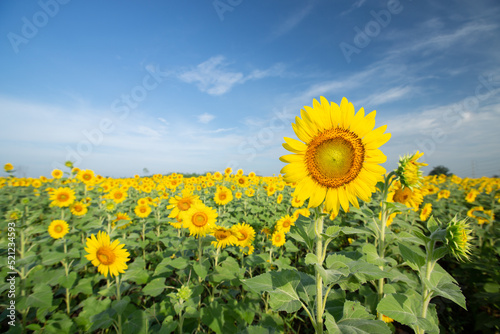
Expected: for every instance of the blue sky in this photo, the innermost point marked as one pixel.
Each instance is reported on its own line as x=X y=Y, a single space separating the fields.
x=184 y=86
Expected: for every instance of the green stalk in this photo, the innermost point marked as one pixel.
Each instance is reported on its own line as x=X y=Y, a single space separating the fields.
x=426 y=292
x=118 y=297
x=319 y=279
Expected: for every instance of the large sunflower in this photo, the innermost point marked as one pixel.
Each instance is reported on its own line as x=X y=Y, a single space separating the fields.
x=244 y=233
x=223 y=195
x=224 y=236
x=182 y=203
x=107 y=256
x=338 y=157
x=199 y=219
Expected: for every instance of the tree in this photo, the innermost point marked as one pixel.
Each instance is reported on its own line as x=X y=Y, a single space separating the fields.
x=438 y=170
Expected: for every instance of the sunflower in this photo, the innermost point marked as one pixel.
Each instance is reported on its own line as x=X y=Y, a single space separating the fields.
x=337 y=159
x=426 y=211
x=284 y=223
x=57 y=173
x=224 y=236
x=78 y=209
x=405 y=195
x=244 y=233
x=199 y=219
x=471 y=195
x=106 y=256
x=278 y=238
x=62 y=197
x=223 y=195
x=86 y=176
x=250 y=192
x=297 y=202
x=123 y=220
x=58 y=229
x=182 y=203
x=458 y=237
x=118 y=195
x=409 y=170
x=8 y=167
x=228 y=171
x=242 y=181
x=445 y=193
x=142 y=211
x=279 y=198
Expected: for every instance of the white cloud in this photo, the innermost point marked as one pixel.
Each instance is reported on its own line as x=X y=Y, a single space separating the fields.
x=213 y=77
x=205 y=118
x=292 y=21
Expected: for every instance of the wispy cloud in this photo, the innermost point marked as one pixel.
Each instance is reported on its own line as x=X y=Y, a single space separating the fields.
x=389 y=95
x=213 y=76
x=205 y=118
x=292 y=21
x=357 y=4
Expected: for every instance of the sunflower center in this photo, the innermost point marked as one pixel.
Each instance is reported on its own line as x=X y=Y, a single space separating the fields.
x=335 y=157
x=199 y=219
x=222 y=235
x=243 y=234
x=402 y=195
x=183 y=205
x=58 y=228
x=118 y=195
x=105 y=255
x=286 y=223
x=222 y=196
x=63 y=197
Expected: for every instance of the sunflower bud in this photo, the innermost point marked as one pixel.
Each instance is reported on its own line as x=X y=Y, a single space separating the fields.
x=184 y=293
x=409 y=170
x=458 y=237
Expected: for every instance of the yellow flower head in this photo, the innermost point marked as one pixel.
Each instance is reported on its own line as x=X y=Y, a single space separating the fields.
x=86 y=176
x=224 y=236
x=62 y=197
x=78 y=209
x=58 y=229
x=278 y=238
x=223 y=195
x=410 y=198
x=8 y=167
x=122 y=220
x=471 y=195
x=337 y=158
x=108 y=257
x=445 y=193
x=57 y=173
x=426 y=212
x=182 y=203
x=284 y=223
x=142 y=211
x=244 y=233
x=199 y=219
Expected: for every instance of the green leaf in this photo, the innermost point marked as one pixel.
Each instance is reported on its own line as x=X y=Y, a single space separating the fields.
x=372 y=255
x=304 y=232
x=282 y=288
x=228 y=270
x=212 y=316
x=84 y=286
x=67 y=282
x=400 y=308
x=352 y=230
x=120 y=305
x=155 y=287
x=136 y=272
x=432 y=225
x=443 y=285
x=136 y=323
x=201 y=269
x=413 y=256
x=41 y=297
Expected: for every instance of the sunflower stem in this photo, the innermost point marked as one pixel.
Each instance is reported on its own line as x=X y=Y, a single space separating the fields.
x=200 y=250
x=118 y=297
x=319 y=280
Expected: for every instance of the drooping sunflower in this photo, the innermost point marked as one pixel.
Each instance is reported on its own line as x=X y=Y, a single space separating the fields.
x=458 y=238
x=278 y=238
x=409 y=170
x=405 y=195
x=62 y=197
x=58 y=229
x=223 y=195
x=199 y=219
x=107 y=256
x=8 y=167
x=181 y=203
x=337 y=158
x=224 y=237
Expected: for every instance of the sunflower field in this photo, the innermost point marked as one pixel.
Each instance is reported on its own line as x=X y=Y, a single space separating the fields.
x=229 y=252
